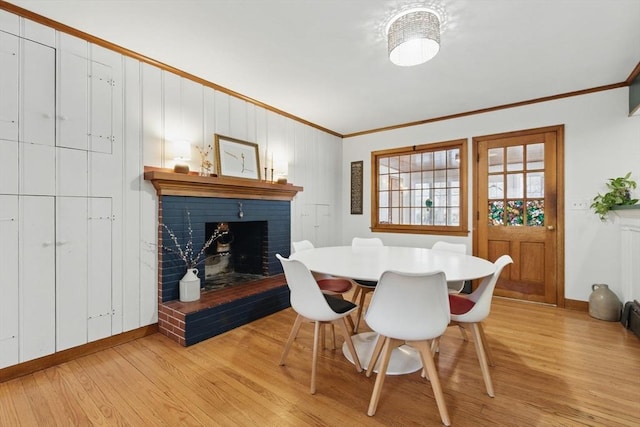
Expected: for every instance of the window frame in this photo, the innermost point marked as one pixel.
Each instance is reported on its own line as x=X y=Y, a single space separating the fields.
x=459 y=230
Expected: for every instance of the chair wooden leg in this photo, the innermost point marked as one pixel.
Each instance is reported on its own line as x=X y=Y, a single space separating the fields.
x=292 y=336
x=347 y=338
x=333 y=337
x=363 y=296
x=463 y=332
x=430 y=366
x=375 y=355
x=485 y=345
x=356 y=293
x=382 y=372
x=314 y=359
x=482 y=358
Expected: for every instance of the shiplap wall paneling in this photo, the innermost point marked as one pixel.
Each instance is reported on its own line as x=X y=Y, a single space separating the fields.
x=9 y=22
x=102 y=84
x=222 y=114
x=9 y=45
x=9 y=281
x=106 y=166
x=152 y=155
x=71 y=271
x=37 y=317
x=36 y=118
x=131 y=146
x=9 y=112
x=192 y=118
x=209 y=124
x=238 y=119
x=99 y=283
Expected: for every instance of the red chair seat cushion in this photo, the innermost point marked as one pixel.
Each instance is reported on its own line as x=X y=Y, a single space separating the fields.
x=334 y=285
x=459 y=304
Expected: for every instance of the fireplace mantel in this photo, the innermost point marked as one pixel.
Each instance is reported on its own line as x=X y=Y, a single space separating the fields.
x=168 y=183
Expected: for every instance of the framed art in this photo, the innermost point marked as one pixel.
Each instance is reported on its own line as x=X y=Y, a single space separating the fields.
x=237 y=158
x=356 y=187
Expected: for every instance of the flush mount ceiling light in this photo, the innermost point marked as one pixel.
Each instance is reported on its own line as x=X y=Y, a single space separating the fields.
x=413 y=37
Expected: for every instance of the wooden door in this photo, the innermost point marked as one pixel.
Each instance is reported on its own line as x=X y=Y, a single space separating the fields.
x=517 y=194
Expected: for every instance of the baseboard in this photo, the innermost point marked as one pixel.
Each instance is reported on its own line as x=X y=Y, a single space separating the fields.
x=573 y=304
x=44 y=362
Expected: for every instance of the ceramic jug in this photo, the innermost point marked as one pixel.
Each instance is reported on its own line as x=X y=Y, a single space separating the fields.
x=604 y=304
x=190 y=286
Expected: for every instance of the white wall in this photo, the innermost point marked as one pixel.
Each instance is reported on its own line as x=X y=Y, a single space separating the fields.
x=601 y=142
x=151 y=108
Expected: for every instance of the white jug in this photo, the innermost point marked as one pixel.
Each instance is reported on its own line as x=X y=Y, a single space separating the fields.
x=190 y=286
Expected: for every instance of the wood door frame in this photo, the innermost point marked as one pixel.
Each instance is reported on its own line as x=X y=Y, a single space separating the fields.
x=559 y=232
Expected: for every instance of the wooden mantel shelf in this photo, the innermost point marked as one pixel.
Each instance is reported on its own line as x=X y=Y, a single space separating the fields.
x=168 y=183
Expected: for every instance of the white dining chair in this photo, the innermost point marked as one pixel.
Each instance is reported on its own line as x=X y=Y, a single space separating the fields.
x=363 y=287
x=312 y=305
x=410 y=309
x=472 y=309
x=461 y=248
x=329 y=285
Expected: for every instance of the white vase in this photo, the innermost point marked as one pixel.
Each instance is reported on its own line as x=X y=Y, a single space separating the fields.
x=190 y=286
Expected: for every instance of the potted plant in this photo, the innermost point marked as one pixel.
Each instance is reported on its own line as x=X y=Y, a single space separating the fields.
x=619 y=195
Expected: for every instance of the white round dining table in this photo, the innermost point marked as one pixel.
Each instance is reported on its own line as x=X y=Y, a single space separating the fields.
x=369 y=262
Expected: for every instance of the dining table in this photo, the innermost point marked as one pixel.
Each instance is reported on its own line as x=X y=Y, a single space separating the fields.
x=369 y=262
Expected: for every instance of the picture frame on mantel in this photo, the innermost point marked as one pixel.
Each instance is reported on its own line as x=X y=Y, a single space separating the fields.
x=236 y=158
x=356 y=187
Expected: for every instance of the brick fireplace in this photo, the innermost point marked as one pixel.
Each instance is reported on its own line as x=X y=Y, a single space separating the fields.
x=257 y=207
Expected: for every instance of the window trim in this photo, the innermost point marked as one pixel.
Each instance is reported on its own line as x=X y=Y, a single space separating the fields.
x=460 y=230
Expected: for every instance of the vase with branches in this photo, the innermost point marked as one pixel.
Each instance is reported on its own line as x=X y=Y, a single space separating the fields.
x=191 y=256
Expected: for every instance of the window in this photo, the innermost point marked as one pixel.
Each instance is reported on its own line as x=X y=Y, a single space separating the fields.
x=421 y=189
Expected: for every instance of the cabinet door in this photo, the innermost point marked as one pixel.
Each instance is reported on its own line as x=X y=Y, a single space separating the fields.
x=9 y=173
x=8 y=87
x=100 y=268
x=9 y=285
x=37 y=89
x=101 y=133
x=37 y=306
x=71 y=271
x=73 y=93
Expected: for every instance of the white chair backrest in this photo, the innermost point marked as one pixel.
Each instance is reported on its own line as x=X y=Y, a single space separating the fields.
x=306 y=297
x=302 y=245
x=410 y=306
x=483 y=294
x=364 y=241
x=451 y=247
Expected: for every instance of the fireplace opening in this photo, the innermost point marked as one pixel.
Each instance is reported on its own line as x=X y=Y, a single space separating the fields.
x=237 y=256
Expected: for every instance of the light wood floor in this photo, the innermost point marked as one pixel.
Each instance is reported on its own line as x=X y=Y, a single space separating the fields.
x=554 y=367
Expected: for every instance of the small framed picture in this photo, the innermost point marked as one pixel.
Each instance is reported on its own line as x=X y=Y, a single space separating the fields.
x=237 y=158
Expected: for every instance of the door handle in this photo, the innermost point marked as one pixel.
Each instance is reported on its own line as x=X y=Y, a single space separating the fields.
x=550 y=227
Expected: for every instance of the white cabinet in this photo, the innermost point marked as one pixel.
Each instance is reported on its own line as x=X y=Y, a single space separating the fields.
x=85 y=98
x=37 y=305
x=316 y=224
x=83 y=270
x=9 y=286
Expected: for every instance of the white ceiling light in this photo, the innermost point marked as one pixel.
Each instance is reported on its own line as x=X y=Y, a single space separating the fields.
x=413 y=37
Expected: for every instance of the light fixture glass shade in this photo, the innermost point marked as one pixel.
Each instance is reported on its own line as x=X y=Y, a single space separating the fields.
x=413 y=37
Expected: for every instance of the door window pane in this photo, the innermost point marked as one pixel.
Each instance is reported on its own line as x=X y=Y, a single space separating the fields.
x=535 y=184
x=514 y=213
x=514 y=158
x=515 y=186
x=496 y=187
x=535 y=156
x=496 y=212
x=535 y=213
x=496 y=160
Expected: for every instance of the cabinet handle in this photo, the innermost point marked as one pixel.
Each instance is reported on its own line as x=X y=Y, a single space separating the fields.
x=62 y=242
x=47 y=244
x=7 y=219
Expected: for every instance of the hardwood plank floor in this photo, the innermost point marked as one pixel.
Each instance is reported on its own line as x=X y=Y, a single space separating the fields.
x=554 y=367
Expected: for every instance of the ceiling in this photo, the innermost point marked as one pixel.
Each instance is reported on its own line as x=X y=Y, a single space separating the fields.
x=325 y=61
